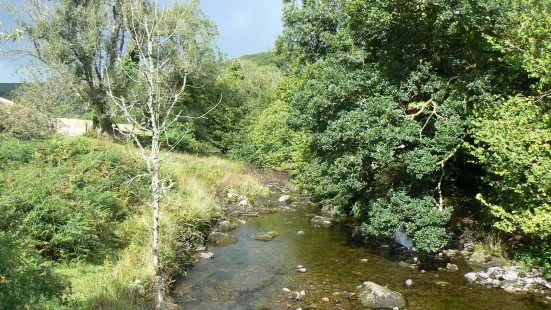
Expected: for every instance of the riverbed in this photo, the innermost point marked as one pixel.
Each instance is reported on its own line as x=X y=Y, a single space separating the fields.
x=252 y=274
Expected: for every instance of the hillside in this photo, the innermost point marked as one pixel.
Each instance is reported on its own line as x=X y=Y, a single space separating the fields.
x=6 y=90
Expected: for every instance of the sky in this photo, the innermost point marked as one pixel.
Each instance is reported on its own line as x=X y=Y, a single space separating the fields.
x=245 y=27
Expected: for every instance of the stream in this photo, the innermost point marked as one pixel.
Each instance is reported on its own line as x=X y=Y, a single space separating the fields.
x=251 y=274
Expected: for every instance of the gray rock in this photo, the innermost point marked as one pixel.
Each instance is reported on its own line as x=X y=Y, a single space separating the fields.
x=224 y=226
x=372 y=295
x=204 y=255
x=284 y=198
x=451 y=267
x=510 y=276
x=471 y=277
x=483 y=275
x=220 y=238
x=409 y=282
x=300 y=232
x=451 y=253
x=301 y=270
x=320 y=221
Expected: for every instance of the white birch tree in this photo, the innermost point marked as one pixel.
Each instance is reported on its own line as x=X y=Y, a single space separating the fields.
x=164 y=50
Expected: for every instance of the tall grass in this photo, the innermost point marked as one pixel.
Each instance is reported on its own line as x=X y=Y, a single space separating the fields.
x=199 y=185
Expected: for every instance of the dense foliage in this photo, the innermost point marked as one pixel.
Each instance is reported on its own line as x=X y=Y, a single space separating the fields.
x=401 y=112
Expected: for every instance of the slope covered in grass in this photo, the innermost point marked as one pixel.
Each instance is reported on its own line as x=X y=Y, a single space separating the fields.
x=81 y=207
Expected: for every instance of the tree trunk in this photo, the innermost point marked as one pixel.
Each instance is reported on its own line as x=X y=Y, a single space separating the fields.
x=101 y=122
x=156 y=193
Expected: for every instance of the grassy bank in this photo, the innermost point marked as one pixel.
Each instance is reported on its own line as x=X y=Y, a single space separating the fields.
x=96 y=233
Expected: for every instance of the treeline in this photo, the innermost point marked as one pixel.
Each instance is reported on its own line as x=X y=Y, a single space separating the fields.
x=428 y=116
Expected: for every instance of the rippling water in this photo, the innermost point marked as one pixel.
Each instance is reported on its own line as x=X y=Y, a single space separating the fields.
x=251 y=274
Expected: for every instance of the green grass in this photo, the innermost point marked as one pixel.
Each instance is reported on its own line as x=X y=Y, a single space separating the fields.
x=200 y=185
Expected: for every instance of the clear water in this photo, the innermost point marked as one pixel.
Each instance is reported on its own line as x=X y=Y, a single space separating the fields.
x=251 y=274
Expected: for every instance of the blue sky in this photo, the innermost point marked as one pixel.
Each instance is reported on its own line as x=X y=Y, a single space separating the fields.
x=245 y=27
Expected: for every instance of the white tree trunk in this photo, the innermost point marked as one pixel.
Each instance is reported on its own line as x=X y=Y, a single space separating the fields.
x=156 y=195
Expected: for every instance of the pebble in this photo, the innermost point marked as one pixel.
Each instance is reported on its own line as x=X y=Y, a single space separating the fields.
x=423 y=271
x=286 y=290
x=303 y=270
x=302 y=293
x=409 y=282
x=363 y=260
x=325 y=299
x=300 y=232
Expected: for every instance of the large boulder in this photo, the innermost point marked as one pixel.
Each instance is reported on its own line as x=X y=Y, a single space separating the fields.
x=320 y=221
x=225 y=226
x=220 y=238
x=372 y=295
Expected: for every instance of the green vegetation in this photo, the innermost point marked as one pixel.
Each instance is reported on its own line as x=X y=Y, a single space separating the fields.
x=418 y=116
x=75 y=214
x=414 y=115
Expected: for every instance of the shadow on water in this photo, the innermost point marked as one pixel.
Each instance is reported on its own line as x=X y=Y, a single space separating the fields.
x=251 y=274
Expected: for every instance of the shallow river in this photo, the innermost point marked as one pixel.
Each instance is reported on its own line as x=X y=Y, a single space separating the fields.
x=251 y=274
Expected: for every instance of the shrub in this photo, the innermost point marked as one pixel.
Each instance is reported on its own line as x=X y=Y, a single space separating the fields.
x=26 y=281
x=421 y=219
x=22 y=123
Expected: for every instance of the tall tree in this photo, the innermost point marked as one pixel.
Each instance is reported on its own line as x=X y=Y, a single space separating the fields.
x=78 y=40
x=166 y=49
x=387 y=92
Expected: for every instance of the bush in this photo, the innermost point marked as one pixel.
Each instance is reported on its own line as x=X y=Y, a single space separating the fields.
x=421 y=219
x=69 y=198
x=26 y=281
x=22 y=123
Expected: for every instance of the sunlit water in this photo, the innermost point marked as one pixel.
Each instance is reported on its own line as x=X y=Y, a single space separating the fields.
x=251 y=274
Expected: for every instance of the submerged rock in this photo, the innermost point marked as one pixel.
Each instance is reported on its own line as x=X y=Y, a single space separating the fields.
x=409 y=282
x=300 y=232
x=372 y=295
x=220 y=238
x=267 y=236
x=204 y=255
x=404 y=264
x=320 y=221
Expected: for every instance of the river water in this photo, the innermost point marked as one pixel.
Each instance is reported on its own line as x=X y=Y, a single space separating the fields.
x=251 y=274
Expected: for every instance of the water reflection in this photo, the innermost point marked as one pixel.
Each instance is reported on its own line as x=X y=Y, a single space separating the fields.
x=251 y=274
